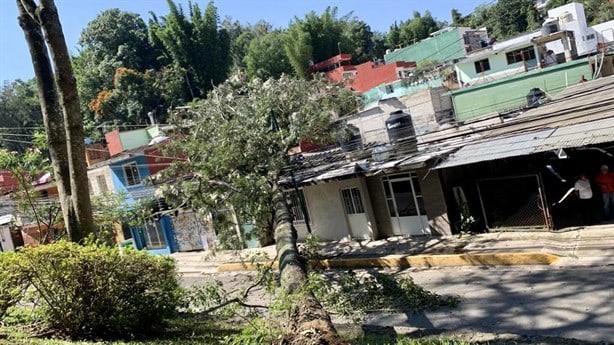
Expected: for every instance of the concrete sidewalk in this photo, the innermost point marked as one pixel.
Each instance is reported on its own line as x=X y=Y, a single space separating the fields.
x=569 y=247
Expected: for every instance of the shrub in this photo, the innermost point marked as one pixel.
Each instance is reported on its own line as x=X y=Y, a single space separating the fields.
x=94 y=291
x=12 y=284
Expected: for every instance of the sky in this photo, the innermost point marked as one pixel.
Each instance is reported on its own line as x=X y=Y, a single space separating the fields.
x=15 y=60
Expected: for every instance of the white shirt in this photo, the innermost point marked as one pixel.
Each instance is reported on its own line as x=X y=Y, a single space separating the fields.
x=584 y=189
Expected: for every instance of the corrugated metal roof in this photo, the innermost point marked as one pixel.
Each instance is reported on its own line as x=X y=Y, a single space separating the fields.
x=577 y=135
x=497 y=148
x=582 y=134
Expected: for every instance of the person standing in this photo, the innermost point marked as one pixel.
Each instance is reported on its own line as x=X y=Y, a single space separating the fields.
x=585 y=194
x=605 y=180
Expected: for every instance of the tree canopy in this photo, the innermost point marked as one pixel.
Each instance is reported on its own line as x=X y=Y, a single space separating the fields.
x=315 y=38
x=412 y=30
x=20 y=113
x=194 y=43
x=239 y=136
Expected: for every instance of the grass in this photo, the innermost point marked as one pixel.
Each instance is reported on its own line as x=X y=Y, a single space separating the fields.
x=190 y=331
x=181 y=331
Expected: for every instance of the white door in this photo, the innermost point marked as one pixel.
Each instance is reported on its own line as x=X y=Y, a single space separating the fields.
x=406 y=205
x=355 y=213
x=6 y=241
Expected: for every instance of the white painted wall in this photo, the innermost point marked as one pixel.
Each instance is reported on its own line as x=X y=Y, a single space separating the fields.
x=93 y=181
x=6 y=241
x=324 y=204
x=499 y=68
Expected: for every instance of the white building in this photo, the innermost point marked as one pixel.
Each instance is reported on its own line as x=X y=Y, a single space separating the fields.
x=565 y=33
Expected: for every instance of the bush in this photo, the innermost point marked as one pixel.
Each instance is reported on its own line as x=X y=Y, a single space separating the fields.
x=12 y=284
x=94 y=291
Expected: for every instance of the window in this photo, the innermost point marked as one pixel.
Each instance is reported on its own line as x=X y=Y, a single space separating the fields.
x=154 y=238
x=482 y=66
x=295 y=201
x=590 y=37
x=352 y=202
x=102 y=184
x=520 y=55
x=131 y=172
x=389 y=88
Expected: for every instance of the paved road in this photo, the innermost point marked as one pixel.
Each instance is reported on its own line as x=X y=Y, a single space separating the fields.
x=569 y=302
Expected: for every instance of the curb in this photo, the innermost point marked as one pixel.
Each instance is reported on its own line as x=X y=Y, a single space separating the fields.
x=420 y=261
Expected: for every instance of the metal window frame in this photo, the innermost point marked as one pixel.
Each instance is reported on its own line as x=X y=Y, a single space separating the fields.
x=138 y=173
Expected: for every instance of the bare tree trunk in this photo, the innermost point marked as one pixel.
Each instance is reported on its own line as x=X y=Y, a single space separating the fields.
x=52 y=118
x=310 y=323
x=64 y=131
x=73 y=121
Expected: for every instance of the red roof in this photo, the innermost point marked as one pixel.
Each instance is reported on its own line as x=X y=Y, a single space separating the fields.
x=367 y=75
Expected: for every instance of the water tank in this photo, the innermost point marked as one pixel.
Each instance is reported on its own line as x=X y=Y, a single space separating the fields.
x=550 y=26
x=535 y=98
x=353 y=139
x=399 y=126
x=566 y=17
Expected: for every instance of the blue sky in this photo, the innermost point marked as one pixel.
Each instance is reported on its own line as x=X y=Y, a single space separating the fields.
x=75 y=14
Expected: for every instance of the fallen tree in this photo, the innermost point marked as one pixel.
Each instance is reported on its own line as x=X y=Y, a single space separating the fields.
x=236 y=142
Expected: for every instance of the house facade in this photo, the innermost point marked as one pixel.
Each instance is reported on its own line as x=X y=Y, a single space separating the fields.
x=487 y=175
x=564 y=52
x=132 y=159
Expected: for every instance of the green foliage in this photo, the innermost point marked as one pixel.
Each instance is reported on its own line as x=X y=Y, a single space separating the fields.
x=412 y=30
x=352 y=296
x=94 y=291
x=311 y=247
x=12 y=284
x=114 y=39
x=111 y=210
x=266 y=57
x=195 y=44
x=316 y=38
x=238 y=140
x=258 y=331
x=34 y=208
x=504 y=18
x=184 y=330
x=19 y=108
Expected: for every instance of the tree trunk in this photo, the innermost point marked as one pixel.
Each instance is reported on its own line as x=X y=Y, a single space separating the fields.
x=73 y=121
x=309 y=323
x=64 y=131
x=52 y=118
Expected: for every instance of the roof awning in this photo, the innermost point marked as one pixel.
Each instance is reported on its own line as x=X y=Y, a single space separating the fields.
x=523 y=144
x=418 y=160
x=497 y=148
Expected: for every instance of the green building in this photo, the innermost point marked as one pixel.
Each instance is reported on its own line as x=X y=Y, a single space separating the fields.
x=449 y=44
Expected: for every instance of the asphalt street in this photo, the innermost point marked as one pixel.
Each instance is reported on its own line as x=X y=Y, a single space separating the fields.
x=569 y=302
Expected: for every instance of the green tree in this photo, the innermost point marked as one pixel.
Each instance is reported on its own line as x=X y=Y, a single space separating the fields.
x=134 y=94
x=413 y=30
x=114 y=39
x=236 y=149
x=20 y=112
x=240 y=39
x=316 y=38
x=195 y=44
x=266 y=57
x=514 y=16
